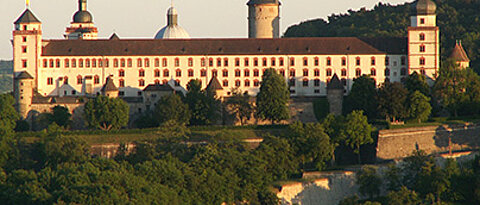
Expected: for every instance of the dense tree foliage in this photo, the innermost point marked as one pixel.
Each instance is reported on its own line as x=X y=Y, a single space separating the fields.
x=457 y=19
x=357 y=131
x=361 y=95
x=205 y=109
x=60 y=116
x=272 y=100
x=106 y=113
x=419 y=107
x=241 y=106
x=415 y=82
x=171 y=107
x=369 y=181
x=392 y=101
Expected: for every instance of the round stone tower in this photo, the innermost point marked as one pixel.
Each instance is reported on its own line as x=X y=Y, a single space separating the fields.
x=23 y=93
x=264 y=18
x=335 y=91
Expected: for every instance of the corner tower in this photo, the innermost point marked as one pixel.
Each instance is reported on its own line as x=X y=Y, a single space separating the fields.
x=82 y=26
x=424 y=40
x=264 y=18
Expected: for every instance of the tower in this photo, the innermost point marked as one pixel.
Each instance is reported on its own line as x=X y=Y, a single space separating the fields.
x=263 y=19
x=460 y=56
x=424 y=40
x=82 y=26
x=23 y=93
x=109 y=89
x=172 y=29
x=335 y=91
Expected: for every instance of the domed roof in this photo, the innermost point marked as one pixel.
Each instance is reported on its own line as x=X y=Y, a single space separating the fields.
x=172 y=11
x=424 y=7
x=172 y=31
x=82 y=17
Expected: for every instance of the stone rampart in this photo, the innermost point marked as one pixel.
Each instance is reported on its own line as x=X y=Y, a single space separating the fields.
x=400 y=143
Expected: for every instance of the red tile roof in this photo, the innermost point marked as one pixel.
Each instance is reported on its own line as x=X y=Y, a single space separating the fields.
x=458 y=53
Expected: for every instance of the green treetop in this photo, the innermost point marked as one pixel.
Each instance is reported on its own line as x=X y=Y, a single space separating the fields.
x=106 y=113
x=272 y=100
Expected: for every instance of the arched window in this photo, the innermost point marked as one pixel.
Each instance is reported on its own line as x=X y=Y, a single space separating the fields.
x=316 y=72
x=387 y=72
x=422 y=61
x=421 y=48
x=141 y=73
x=45 y=63
x=316 y=82
x=80 y=63
x=264 y=62
x=203 y=62
x=422 y=71
x=79 y=80
x=292 y=72
x=157 y=63
x=255 y=62
x=225 y=73
x=246 y=62
x=190 y=62
x=214 y=73
x=66 y=62
x=292 y=61
x=225 y=83
x=115 y=63
x=139 y=62
x=373 y=62
x=178 y=73
x=87 y=63
x=156 y=73
x=141 y=82
x=247 y=83
x=177 y=62
x=329 y=61
x=166 y=73
x=219 y=62
x=305 y=61
x=282 y=72
x=164 y=62
x=210 y=62
x=256 y=83
x=316 y=61
x=121 y=73
x=96 y=80
x=280 y=62
x=344 y=72
x=305 y=82
x=203 y=73
x=421 y=36
x=121 y=83
x=305 y=72
x=164 y=82
x=52 y=63
x=246 y=73
x=177 y=83
x=190 y=73
x=387 y=60
x=147 y=62
x=358 y=72
x=225 y=62
x=329 y=72
x=373 y=72
x=344 y=61
x=237 y=83
x=358 y=61
x=74 y=63
x=237 y=61
x=129 y=63
x=57 y=63
x=273 y=62
x=237 y=73
x=65 y=80
x=256 y=73
x=157 y=82
x=94 y=63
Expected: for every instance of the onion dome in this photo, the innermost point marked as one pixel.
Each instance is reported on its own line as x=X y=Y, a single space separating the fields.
x=256 y=2
x=172 y=30
x=424 y=7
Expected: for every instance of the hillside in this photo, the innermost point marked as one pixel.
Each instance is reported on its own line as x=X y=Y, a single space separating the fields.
x=6 y=80
x=457 y=19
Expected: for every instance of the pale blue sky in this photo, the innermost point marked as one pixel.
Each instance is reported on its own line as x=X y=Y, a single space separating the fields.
x=143 y=18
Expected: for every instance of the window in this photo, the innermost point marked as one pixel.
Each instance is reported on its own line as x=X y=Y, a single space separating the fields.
x=273 y=62
x=214 y=73
x=329 y=61
x=422 y=21
x=121 y=73
x=282 y=72
x=264 y=61
x=225 y=62
x=237 y=62
x=225 y=83
x=122 y=63
x=96 y=80
x=305 y=61
x=139 y=62
x=49 y=81
x=157 y=62
x=373 y=72
x=147 y=62
x=166 y=73
x=373 y=61
x=422 y=61
x=256 y=83
x=203 y=73
x=292 y=61
x=403 y=60
x=79 y=80
x=121 y=93
x=305 y=72
x=387 y=72
x=329 y=72
x=178 y=73
x=24 y=49
x=387 y=60
x=316 y=61
x=357 y=61
x=421 y=36
x=87 y=63
x=157 y=82
x=291 y=82
x=115 y=63
x=422 y=48
x=403 y=71
x=316 y=72
x=202 y=62
x=164 y=62
x=422 y=71
x=344 y=61
x=225 y=73
x=129 y=63
x=141 y=82
x=237 y=73
x=66 y=62
x=156 y=73
x=52 y=63
x=247 y=83
x=316 y=82
x=45 y=63
x=74 y=63
x=210 y=62
x=141 y=73
x=219 y=62
x=107 y=63
x=246 y=61
x=100 y=63
x=246 y=73
x=190 y=62
x=305 y=82
x=24 y=64
x=94 y=63
x=190 y=73
x=256 y=73
x=177 y=62
x=292 y=72
x=358 y=72
x=344 y=72
x=255 y=62
x=65 y=80
x=280 y=62
x=24 y=39
x=237 y=83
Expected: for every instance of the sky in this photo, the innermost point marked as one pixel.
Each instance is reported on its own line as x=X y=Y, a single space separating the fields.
x=143 y=18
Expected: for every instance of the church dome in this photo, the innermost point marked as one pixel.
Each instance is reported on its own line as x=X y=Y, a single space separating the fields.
x=424 y=7
x=82 y=17
x=172 y=30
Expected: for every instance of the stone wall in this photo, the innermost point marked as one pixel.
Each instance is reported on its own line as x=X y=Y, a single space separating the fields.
x=109 y=150
x=400 y=143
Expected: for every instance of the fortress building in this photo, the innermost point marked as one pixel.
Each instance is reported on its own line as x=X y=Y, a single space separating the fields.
x=51 y=71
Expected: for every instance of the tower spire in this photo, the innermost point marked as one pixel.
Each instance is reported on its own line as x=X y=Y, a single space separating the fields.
x=27 y=3
x=82 y=5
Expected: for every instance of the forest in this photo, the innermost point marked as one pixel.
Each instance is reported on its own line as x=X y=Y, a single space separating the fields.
x=457 y=19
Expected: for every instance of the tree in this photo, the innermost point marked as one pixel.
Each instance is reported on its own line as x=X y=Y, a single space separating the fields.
x=240 y=105
x=449 y=85
x=391 y=101
x=370 y=182
x=415 y=82
x=60 y=115
x=203 y=106
x=404 y=196
x=171 y=107
x=272 y=100
x=361 y=95
x=8 y=114
x=106 y=113
x=419 y=107
x=358 y=132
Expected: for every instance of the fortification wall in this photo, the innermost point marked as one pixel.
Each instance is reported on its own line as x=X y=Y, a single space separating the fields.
x=400 y=143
